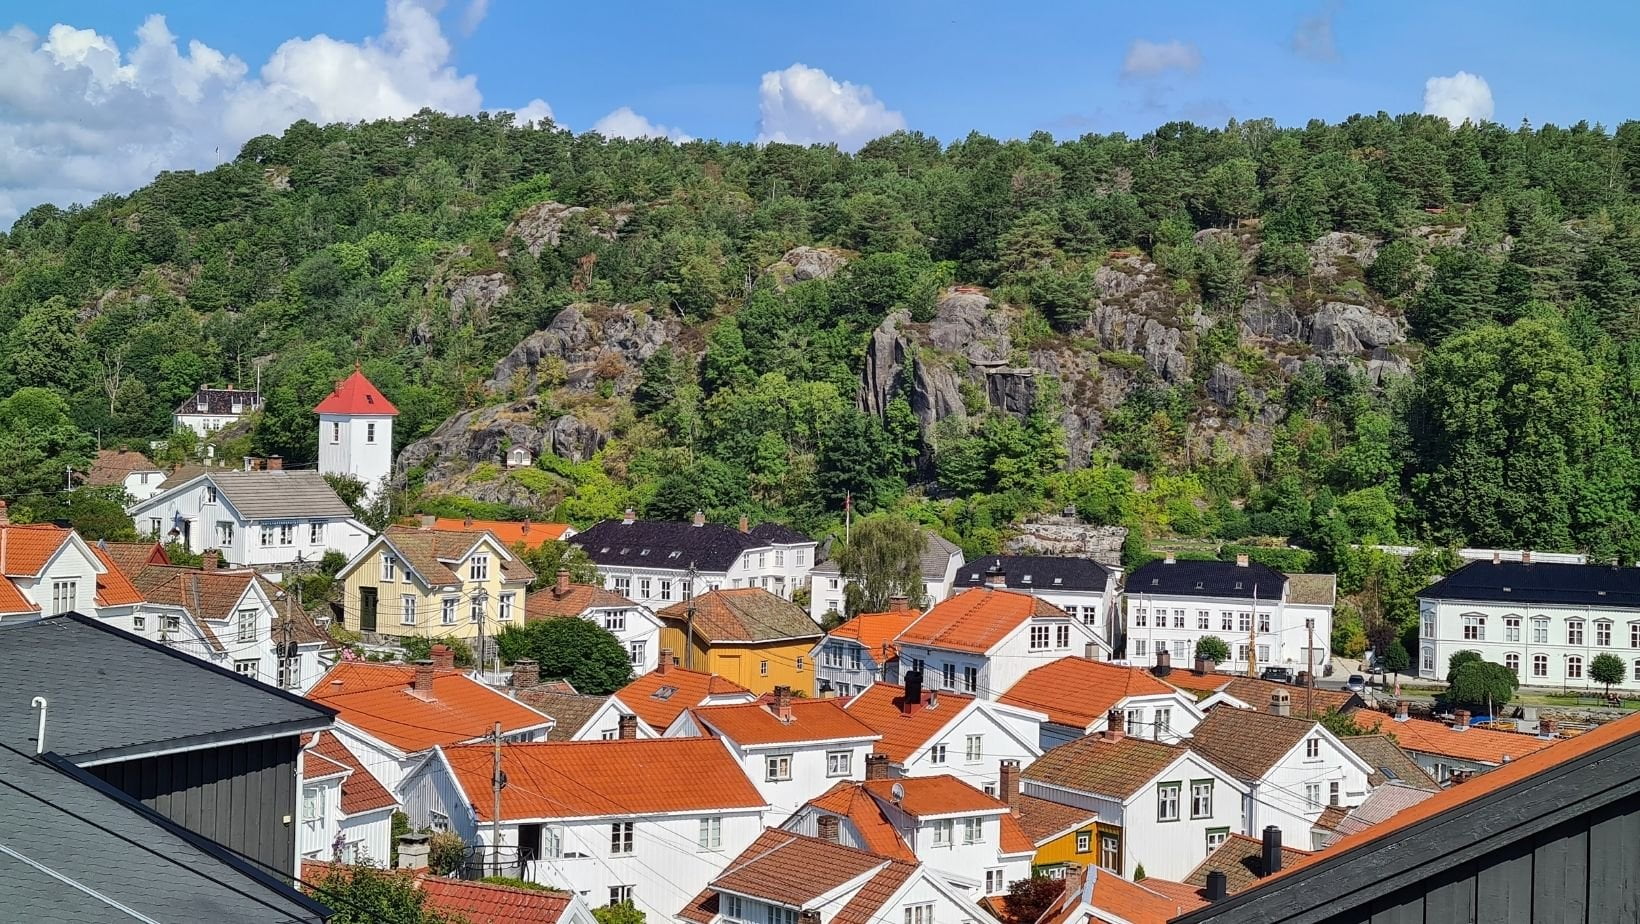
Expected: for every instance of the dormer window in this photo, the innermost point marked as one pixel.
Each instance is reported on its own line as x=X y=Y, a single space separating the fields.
x=1199 y=585
x=202 y=403
x=1238 y=585
x=1155 y=581
x=1058 y=581
x=1026 y=579
x=238 y=406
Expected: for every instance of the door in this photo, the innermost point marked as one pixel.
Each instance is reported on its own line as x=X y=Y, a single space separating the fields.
x=529 y=848
x=367 y=609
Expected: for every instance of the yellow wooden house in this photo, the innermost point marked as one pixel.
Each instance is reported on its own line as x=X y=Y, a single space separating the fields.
x=744 y=634
x=431 y=582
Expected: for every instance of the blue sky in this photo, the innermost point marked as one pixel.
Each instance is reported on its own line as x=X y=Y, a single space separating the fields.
x=705 y=70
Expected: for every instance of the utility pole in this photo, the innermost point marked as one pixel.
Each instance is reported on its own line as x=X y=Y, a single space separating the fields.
x=689 y=617
x=1309 y=670
x=1252 y=638
x=497 y=781
x=481 y=599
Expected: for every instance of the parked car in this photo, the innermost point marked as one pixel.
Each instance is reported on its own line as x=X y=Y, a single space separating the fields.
x=1356 y=684
x=1277 y=674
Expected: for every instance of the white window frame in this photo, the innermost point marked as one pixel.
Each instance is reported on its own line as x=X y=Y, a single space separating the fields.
x=245 y=625
x=65 y=596
x=777 y=768
x=447 y=610
x=944 y=830
x=622 y=838
x=839 y=763
x=1168 y=797
x=504 y=608
x=316 y=532
x=936 y=754
x=407 y=609
x=710 y=836
x=1201 y=799
x=973 y=749
x=478 y=568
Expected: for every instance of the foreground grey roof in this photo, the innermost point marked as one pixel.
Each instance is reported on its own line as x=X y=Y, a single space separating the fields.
x=74 y=850
x=280 y=494
x=114 y=695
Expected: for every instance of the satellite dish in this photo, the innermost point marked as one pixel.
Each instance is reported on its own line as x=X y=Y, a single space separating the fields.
x=897 y=792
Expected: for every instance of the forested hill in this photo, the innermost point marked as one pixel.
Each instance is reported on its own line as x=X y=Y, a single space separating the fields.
x=1385 y=328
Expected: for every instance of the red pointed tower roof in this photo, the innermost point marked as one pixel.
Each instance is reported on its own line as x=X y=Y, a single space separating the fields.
x=355 y=395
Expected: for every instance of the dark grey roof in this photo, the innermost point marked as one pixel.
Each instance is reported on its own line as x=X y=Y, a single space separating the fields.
x=1187 y=578
x=935 y=559
x=58 y=821
x=1044 y=572
x=1540 y=582
x=664 y=544
x=220 y=401
x=280 y=494
x=778 y=534
x=113 y=695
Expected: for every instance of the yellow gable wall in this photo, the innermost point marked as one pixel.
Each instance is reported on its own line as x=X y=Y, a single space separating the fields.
x=367 y=573
x=746 y=662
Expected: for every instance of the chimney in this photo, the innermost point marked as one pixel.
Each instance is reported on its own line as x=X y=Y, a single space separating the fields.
x=1164 y=663
x=1171 y=559
x=1218 y=887
x=878 y=767
x=1281 y=703
x=995 y=576
x=1008 y=784
x=628 y=516
x=1497 y=558
x=424 y=678
x=628 y=727
x=5 y=516
x=413 y=851
x=1525 y=556
x=745 y=524
x=1546 y=728
x=428 y=521
x=208 y=560
x=467 y=521
x=913 y=692
x=898 y=603
x=1272 y=850
x=1114 y=725
x=665 y=661
x=1205 y=665
x=782 y=705
x=1460 y=720
x=809 y=916
x=274 y=463
x=249 y=464
x=830 y=828
x=526 y=673
x=561 y=586
x=1241 y=559
x=700 y=518
x=444 y=657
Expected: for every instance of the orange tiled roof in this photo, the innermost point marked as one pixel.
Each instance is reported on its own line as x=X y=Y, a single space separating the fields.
x=114 y=588
x=876 y=631
x=935 y=795
x=550 y=604
x=25 y=548
x=744 y=614
x=490 y=903
x=580 y=779
x=1078 y=692
x=1483 y=745
x=863 y=908
x=793 y=870
x=361 y=791
x=12 y=599
x=660 y=696
x=132 y=556
x=378 y=699
x=756 y=723
x=1042 y=820
x=1102 y=766
x=903 y=735
x=851 y=800
x=1014 y=838
x=1152 y=901
x=528 y=534
x=976 y=620
x=356 y=395
x=1256 y=692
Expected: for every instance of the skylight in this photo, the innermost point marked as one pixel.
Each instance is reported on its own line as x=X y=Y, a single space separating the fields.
x=675 y=554
x=1155 y=581
x=1026 y=579
x=1238 y=585
x=663 y=693
x=1388 y=773
x=1199 y=585
x=1059 y=580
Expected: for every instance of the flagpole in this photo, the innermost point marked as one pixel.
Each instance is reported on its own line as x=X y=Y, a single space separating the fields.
x=848 y=515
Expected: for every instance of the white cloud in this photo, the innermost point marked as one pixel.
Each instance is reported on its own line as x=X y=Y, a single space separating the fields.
x=805 y=105
x=79 y=116
x=473 y=15
x=1459 y=97
x=1314 y=36
x=534 y=111
x=624 y=123
x=1150 y=59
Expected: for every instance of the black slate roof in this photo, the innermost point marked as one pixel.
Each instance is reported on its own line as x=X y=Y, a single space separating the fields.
x=220 y=401
x=1186 y=578
x=664 y=544
x=114 y=849
x=1540 y=582
x=778 y=534
x=1045 y=572
x=114 y=695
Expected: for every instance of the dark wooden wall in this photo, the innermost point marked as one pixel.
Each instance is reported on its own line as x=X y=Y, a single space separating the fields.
x=238 y=795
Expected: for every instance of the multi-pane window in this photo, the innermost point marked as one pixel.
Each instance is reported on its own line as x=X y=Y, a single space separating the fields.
x=777 y=767
x=1264 y=622
x=1574 y=631
x=287 y=533
x=316 y=533
x=1181 y=651
x=973 y=749
x=1140 y=617
x=1216 y=838
x=973 y=830
x=1178 y=619
x=1511 y=628
x=170 y=623
x=622 y=586
x=139 y=623
x=839 y=763
x=666 y=589
x=1603 y=633
x=1225 y=618
x=246 y=668
x=1634 y=635
x=1141 y=648
x=854 y=655
x=1540 y=665
x=1512 y=661
x=635 y=652
x=1244 y=621
x=448 y=614
x=970 y=675
x=1242 y=651
x=643 y=588
x=1312 y=749
x=943 y=830
x=335 y=432
x=245 y=622
x=407 y=610
x=1203 y=617
x=1474 y=628
x=390 y=568
x=267 y=534
x=995 y=882
x=1084 y=841
x=936 y=754
x=1574 y=668
x=920 y=914
x=478 y=569
x=1039 y=638
x=1062 y=636
x=64 y=596
x=210 y=494
x=370 y=432
x=475 y=609
x=1164 y=718
x=711 y=834
x=1312 y=795
x=620 y=838
x=1264 y=654
x=1132 y=719
x=1540 y=630
x=1110 y=852
x=1167 y=802
x=1201 y=799
x=224 y=533
x=948 y=673
x=615 y=620
x=290 y=673
x=620 y=895
x=504 y=610
x=1637 y=669
x=1334 y=796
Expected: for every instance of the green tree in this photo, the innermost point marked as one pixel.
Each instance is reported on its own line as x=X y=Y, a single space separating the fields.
x=1482 y=685
x=623 y=913
x=1606 y=668
x=1213 y=648
x=1342 y=724
x=1396 y=658
x=1458 y=660
x=883 y=558
x=548 y=558
x=1029 y=899
x=583 y=653
x=365 y=894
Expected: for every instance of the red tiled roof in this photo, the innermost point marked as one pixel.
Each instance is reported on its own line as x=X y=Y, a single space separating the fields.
x=550 y=604
x=361 y=791
x=132 y=556
x=1078 y=692
x=879 y=707
x=863 y=908
x=580 y=779
x=378 y=699
x=355 y=395
x=934 y=795
x=12 y=599
x=1042 y=820
x=756 y=723
x=1255 y=692
x=530 y=535
x=876 y=631
x=487 y=903
x=659 y=697
x=877 y=834
x=111 y=466
x=1153 y=901
x=1483 y=745
x=1014 y=838
x=976 y=620
x=113 y=587
x=25 y=548
x=793 y=870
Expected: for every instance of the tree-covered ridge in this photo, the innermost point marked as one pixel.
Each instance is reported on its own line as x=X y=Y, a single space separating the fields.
x=1513 y=254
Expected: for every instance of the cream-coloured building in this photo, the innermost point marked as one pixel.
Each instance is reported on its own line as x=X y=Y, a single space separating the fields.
x=439 y=583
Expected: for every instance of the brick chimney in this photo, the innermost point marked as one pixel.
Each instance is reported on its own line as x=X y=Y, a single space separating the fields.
x=878 y=767
x=1272 y=850
x=208 y=559
x=467 y=521
x=808 y=916
x=782 y=705
x=1008 y=784
x=424 y=678
x=1401 y=710
x=628 y=727
x=665 y=662
x=5 y=515
x=1164 y=662
x=745 y=524
x=995 y=576
x=274 y=463
x=526 y=673
x=444 y=657
x=525 y=528
x=898 y=603
x=1281 y=703
x=1525 y=556
x=830 y=828
x=700 y=518
x=1546 y=728
x=1241 y=560
x=1460 y=720
x=428 y=521
x=1205 y=665
x=1115 y=724
x=628 y=516
x=561 y=586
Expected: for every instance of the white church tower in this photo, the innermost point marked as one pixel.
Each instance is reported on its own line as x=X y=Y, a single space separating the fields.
x=356 y=433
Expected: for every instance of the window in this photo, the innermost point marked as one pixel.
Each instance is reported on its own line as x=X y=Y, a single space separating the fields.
x=839 y=763
x=920 y=914
x=1264 y=654
x=833 y=655
x=1141 y=648
x=970 y=675
x=504 y=610
x=943 y=830
x=1512 y=661
x=170 y=623
x=1634 y=635
x=643 y=588
x=777 y=767
x=620 y=838
x=448 y=615
x=1312 y=749
x=1264 y=622
x=139 y=623
x=854 y=654
x=1167 y=802
x=407 y=610
x=479 y=569
x=64 y=595
x=154 y=524
x=210 y=494
x=1603 y=633
x=1474 y=628
x=711 y=834
x=267 y=535
x=615 y=620
x=1225 y=618
x=1574 y=631
x=1574 y=668
x=1181 y=651
x=763 y=668
x=1164 y=719
x=1062 y=636
x=1540 y=665
x=936 y=754
x=973 y=830
x=1427 y=657
x=1084 y=841
x=390 y=568
x=622 y=586
x=287 y=533
x=620 y=895
x=666 y=589
x=475 y=608
x=1201 y=798
x=1132 y=719
x=1333 y=792
x=1312 y=795
x=290 y=673
x=635 y=652
x=1178 y=619
x=973 y=749
x=994 y=882
x=224 y=533
x=1110 y=852
x=1426 y=627
x=762 y=560
x=316 y=533
x=1636 y=666
x=779 y=559
x=313 y=806
x=335 y=432
x=948 y=673
x=1241 y=652
x=438 y=821
x=800 y=557
x=1244 y=621
x=246 y=623
x=1203 y=617
x=1540 y=630
x=246 y=668
x=1216 y=837
x=1511 y=628
x=370 y=432
x=1039 y=638
x=1140 y=618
